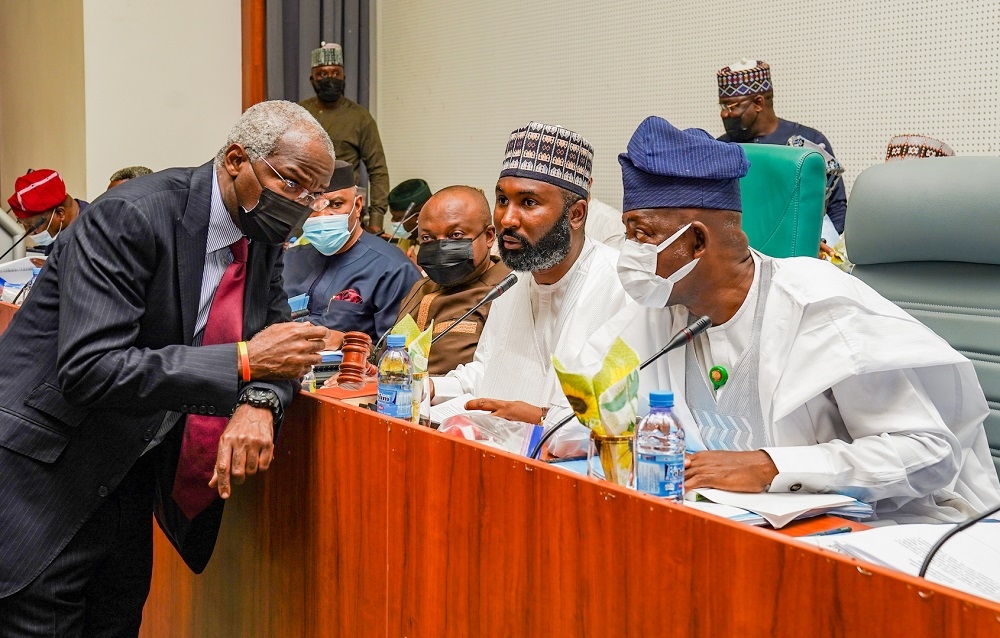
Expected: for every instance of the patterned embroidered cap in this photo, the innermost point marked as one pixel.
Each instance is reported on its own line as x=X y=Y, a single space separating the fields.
x=550 y=154
x=904 y=147
x=744 y=78
x=328 y=54
x=665 y=167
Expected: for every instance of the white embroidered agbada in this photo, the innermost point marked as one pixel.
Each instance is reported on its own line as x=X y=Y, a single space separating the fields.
x=529 y=323
x=858 y=397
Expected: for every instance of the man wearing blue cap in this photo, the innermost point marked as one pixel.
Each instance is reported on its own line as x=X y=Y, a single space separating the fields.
x=808 y=380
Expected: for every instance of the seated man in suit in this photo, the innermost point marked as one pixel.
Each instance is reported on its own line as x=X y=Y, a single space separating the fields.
x=808 y=380
x=43 y=208
x=354 y=279
x=456 y=234
x=158 y=315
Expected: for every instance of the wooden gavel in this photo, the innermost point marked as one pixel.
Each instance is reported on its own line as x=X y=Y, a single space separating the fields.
x=355 y=365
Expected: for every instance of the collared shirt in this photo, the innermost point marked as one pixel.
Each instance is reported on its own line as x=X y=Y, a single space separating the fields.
x=222 y=232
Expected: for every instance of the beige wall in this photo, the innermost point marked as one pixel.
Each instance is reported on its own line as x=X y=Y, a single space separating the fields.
x=163 y=83
x=456 y=76
x=42 y=113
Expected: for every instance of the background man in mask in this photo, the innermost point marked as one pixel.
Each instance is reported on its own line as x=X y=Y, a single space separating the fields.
x=808 y=380
x=456 y=233
x=158 y=315
x=354 y=279
x=350 y=126
x=43 y=208
x=568 y=288
x=746 y=100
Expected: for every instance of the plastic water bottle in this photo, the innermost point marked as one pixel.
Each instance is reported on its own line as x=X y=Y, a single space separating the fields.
x=659 y=449
x=395 y=380
x=309 y=380
x=23 y=294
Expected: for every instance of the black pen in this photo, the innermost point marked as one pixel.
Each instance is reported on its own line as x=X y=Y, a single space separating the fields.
x=831 y=532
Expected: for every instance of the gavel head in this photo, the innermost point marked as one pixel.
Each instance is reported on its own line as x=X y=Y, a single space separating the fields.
x=355 y=365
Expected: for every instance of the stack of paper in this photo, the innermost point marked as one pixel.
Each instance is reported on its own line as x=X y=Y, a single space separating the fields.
x=779 y=509
x=727 y=511
x=970 y=561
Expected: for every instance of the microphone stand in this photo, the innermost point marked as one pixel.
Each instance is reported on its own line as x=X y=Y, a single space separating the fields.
x=35 y=227
x=958 y=528
x=684 y=336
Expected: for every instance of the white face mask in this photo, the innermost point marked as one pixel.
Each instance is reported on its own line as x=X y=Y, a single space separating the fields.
x=44 y=238
x=637 y=272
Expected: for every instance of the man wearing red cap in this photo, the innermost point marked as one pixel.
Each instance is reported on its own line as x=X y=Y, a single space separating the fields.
x=42 y=206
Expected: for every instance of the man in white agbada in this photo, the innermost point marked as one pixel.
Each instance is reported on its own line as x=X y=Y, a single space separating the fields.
x=821 y=384
x=567 y=286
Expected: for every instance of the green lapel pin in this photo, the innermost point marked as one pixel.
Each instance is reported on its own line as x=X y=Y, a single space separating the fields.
x=718 y=376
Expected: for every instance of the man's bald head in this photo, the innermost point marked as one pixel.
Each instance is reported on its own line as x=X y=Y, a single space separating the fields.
x=455 y=213
x=458 y=201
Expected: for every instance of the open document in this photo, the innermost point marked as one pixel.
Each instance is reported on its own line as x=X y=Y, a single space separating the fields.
x=970 y=561
x=779 y=509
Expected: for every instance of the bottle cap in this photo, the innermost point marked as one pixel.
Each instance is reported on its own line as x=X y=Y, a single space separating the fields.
x=661 y=399
x=395 y=341
x=35 y=271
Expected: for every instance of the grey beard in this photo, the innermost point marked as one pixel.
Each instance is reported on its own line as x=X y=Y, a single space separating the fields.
x=549 y=251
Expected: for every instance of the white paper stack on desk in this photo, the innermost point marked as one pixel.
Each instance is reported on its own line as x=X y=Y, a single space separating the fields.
x=970 y=561
x=779 y=509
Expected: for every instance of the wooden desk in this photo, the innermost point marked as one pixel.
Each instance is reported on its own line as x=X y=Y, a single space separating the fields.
x=6 y=314
x=371 y=527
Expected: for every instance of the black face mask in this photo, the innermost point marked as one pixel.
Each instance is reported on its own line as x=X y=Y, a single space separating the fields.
x=735 y=129
x=447 y=261
x=273 y=219
x=329 y=90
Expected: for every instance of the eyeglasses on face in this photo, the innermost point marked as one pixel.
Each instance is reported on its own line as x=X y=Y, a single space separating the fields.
x=731 y=108
x=298 y=192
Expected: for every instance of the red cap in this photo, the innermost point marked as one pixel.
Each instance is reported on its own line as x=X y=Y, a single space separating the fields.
x=37 y=192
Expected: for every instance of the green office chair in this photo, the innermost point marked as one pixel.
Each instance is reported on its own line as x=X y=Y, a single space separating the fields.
x=926 y=234
x=784 y=197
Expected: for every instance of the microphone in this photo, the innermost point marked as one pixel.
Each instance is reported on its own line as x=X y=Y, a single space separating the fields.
x=958 y=528
x=407 y=215
x=685 y=335
x=33 y=228
x=497 y=290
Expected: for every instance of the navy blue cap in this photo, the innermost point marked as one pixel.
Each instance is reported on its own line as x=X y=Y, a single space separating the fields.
x=665 y=167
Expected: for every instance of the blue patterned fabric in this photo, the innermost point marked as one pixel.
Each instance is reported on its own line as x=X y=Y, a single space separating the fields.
x=665 y=167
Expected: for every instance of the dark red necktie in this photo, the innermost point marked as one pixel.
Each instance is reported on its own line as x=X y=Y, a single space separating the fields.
x=201 y=433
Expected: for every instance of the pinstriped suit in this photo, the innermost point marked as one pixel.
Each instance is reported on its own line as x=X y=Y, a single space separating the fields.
x=98 y=353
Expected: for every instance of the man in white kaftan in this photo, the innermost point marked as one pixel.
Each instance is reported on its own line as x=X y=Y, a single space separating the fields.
x=567 y=286
x=829 y=387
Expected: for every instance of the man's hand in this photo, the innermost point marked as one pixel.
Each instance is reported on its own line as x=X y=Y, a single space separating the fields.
x=245 y=447
x=285 y=350
x=510 y=410
x=334 y=340
x=733 y=471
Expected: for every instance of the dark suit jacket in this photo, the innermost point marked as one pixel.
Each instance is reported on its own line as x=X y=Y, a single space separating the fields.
x=100 y=351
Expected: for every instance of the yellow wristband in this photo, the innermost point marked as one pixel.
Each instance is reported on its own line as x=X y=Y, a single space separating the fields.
x=241 y=347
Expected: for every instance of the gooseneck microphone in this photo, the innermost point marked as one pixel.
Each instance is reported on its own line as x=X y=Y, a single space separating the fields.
x=686 y=334
x=33 y=228
x=958 y=528
x=497 y=290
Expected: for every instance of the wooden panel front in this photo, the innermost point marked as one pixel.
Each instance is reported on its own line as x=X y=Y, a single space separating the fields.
x=6 y=314
x=369 y=527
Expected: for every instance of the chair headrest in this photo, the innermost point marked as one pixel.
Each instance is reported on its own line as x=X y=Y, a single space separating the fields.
x=934 y=209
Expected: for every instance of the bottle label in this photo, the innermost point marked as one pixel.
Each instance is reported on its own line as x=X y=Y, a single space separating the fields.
x=395 y=400
x=661 y=475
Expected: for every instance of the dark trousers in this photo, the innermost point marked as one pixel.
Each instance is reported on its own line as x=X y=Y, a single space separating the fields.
x=98 y=584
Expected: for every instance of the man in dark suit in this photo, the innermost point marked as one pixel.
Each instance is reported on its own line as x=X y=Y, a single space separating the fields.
x=153 y=320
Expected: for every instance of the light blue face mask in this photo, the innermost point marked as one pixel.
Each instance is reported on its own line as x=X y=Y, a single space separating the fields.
x=44 y=238
x=327 y=233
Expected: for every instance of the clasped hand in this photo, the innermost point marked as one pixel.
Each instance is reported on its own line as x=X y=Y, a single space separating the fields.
x=285 y=350
x=733 y=471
